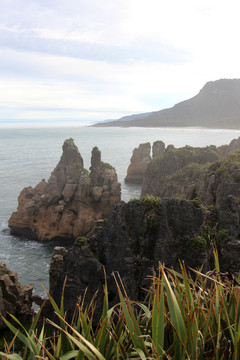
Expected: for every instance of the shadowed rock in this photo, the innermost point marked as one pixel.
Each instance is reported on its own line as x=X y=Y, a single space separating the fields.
x=140 y=234
x=158 y=148
x=15 y=298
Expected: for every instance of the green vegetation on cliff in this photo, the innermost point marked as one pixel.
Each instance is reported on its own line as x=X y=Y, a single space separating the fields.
x=191 y=172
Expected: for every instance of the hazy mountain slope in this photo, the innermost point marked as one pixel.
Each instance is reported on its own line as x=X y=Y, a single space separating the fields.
x=217 y=105
x=122 y=120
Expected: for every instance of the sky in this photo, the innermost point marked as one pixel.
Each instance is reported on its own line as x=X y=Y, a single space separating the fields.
x=84 y=61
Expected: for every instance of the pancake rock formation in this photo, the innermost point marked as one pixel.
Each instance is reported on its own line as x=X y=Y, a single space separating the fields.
x=140 y=159
x=68 y=204
x=193 y=172
x=140 y=234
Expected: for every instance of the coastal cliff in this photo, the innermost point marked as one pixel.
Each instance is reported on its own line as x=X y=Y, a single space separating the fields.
x=191 y=173
x=140 y=234
x=165 y=161
x=69 y=203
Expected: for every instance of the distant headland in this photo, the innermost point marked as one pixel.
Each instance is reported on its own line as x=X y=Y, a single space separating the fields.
x=217 y=106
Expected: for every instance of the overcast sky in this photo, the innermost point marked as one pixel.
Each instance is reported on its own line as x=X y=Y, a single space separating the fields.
x=91 y=60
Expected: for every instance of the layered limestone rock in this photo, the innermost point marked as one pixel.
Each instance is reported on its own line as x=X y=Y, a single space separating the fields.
x=140 y=159
x=136 y=237
x=69 y=203
x=142 y=233
x=138 y=165
x=15 y=298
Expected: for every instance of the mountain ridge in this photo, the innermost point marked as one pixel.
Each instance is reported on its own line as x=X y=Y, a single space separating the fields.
x=217 y=105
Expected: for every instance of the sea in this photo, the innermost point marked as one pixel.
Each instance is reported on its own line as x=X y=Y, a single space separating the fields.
x=28 y=155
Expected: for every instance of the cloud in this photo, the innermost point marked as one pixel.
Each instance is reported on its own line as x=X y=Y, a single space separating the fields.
x=103 y=59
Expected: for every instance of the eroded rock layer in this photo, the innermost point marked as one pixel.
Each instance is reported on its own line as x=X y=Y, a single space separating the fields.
x=69 y=203
x=138 y=165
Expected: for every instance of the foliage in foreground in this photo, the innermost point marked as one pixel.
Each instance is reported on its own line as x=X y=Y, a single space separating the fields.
x=183 y=319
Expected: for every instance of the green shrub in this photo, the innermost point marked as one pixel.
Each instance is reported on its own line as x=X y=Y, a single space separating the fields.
x=196 y=203
x=151 y=200
x=223 y=234
x=4 y=271
x=81 y=240
x=198 y=242
x=106 y=166
x=80 y=167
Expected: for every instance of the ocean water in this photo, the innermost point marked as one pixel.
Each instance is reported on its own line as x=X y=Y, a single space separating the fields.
x=28 y=155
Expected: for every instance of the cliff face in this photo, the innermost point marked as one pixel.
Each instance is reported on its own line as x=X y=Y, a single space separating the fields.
x=187 y=172
x=69 y=203
x=138 y=165
x=141 y=233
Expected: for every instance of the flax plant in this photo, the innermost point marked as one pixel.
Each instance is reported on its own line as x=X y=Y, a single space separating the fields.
x=185 y=316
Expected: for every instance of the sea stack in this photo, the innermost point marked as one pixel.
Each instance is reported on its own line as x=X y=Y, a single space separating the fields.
x=138 y=165
x=68 y=204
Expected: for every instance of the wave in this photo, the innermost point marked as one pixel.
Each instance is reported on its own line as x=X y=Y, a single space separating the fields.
x=4 y=226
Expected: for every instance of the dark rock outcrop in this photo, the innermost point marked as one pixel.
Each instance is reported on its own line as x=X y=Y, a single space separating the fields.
x=56 y=265
x=15 y=298
x=69 y=203
x=137 y=236
x=141 y=233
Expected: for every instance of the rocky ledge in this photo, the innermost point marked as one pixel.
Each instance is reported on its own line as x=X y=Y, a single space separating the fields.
x=68 y=204
x=15 y=298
